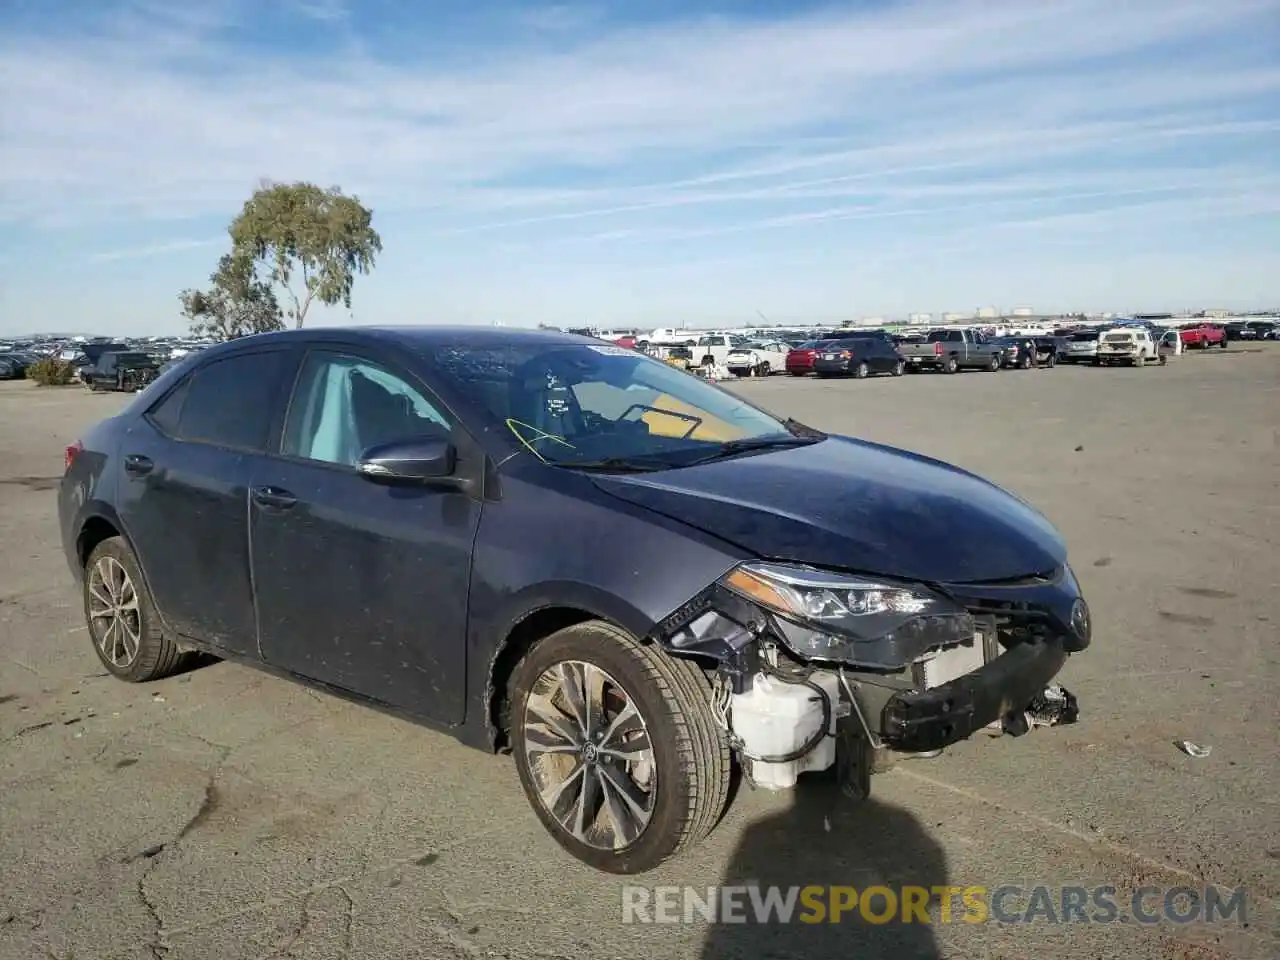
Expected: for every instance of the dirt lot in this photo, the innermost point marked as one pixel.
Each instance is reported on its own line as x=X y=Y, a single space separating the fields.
x=224 y=814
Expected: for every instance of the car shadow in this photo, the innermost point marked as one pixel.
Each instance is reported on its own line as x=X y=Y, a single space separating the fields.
x=825 y=840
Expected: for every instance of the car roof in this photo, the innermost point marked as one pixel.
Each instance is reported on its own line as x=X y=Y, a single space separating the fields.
x=416 y=339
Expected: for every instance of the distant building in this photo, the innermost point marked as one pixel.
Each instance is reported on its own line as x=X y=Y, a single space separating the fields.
x=920 y=318
x=954 y=317
x=988 y=313
x=1022 y=312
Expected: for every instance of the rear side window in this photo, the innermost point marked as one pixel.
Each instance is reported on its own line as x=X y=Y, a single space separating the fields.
x=232 y=402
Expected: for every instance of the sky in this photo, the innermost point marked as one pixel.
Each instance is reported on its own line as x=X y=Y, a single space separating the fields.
x=650 y=163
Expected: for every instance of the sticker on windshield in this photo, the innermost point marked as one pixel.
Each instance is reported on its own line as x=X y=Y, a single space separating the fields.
x=612 y=351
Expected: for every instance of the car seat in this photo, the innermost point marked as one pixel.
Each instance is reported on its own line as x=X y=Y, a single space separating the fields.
x=545 y=405
x=380 y=416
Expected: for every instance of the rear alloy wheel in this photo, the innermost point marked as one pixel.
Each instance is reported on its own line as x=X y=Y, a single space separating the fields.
x=617 y=748
x=900 y=368
x=1025 y=363
x=950 y=365
x=861 y=370
x=995 y=364
x=764 y=370
x=122 y=620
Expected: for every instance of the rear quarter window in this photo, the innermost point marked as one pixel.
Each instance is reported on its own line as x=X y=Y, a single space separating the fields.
x=166 y=413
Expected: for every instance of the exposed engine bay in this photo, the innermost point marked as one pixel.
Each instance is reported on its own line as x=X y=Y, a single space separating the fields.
x=786 y=714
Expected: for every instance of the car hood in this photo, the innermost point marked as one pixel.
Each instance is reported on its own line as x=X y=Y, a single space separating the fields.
x=855 y=505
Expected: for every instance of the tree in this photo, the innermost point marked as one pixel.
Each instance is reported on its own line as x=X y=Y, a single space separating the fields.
x=299 y=232
x=237 y=304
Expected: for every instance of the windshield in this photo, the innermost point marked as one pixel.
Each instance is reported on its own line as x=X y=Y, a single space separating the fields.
x=1082 y=337
x=574 y=404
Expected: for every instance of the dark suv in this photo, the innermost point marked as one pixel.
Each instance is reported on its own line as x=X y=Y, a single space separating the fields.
x=858 y=357
x=632 y=579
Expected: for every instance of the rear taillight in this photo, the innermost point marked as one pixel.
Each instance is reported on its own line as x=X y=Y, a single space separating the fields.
x=937 y=349
x=845 y=354
x=69 y=456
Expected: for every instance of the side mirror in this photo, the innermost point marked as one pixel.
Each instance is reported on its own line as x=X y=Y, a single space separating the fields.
x=414 y=460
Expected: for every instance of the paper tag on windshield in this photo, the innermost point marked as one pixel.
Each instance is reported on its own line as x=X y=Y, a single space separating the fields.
x=612 y=351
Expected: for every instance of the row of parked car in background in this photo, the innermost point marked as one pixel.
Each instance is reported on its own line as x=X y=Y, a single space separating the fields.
x=128 y=364
x=100 y=363
x=862 y=353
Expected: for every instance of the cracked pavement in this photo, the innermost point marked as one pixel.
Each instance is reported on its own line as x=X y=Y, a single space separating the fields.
x=226 y=814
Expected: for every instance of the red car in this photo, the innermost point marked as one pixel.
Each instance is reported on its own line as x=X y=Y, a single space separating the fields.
x=1203 y=336
x=800 y=359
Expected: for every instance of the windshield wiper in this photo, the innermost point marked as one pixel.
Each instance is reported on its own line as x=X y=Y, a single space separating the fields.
x=613 y=465
x=799 y=429
x=731 y=448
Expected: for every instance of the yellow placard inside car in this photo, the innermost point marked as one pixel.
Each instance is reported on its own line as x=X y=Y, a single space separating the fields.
x=667 y=425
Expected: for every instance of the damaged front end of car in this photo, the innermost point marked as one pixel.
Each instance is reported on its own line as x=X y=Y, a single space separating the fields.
x=818 y=669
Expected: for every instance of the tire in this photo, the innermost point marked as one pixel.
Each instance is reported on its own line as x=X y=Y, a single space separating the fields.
x=707 y=361
x=950 y=365
x=995 y=364
x=154 y=654
x=1053 y=360
x=687 y=751
x=861 y=370
x=1025 y=363
x=764 y=368
x=900 y=368
x=1223 y=343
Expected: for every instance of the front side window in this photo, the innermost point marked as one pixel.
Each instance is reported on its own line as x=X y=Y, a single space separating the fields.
x=233 y=402
x=343 y=405
x=573 y=404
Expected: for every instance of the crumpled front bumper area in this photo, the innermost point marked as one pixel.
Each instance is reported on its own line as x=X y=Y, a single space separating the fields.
x=1014 y=684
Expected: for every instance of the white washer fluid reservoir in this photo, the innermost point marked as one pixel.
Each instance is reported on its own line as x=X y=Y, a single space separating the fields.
x=775 y=717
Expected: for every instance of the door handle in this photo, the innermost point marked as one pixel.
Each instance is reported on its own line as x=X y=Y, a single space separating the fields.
x=273 y=497
x=137 y=465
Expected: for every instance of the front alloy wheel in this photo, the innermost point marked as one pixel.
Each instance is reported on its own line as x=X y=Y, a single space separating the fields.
x=617 y=747
x=592 y=760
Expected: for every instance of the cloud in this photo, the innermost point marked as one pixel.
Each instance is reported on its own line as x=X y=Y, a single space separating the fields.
x=558 y=18
x=154 y=250
x=326 y=11
x=697 y=127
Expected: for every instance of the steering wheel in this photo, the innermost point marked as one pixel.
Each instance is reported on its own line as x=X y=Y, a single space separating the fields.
x=697 y=421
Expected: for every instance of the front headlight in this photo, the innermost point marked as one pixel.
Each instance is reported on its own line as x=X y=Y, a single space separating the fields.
x=823 y=615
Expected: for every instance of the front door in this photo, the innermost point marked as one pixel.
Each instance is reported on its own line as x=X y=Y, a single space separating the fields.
x=360 y=585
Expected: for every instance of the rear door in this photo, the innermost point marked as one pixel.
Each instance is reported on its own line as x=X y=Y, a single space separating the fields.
x=185 y=492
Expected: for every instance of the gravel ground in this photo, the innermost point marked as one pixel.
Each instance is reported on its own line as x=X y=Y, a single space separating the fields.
x=226 y=814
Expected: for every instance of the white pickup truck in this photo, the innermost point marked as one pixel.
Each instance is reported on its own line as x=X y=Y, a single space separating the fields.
x=714 y=348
